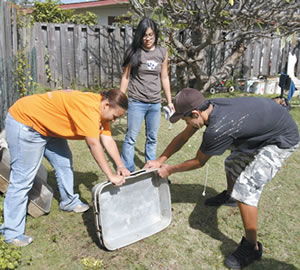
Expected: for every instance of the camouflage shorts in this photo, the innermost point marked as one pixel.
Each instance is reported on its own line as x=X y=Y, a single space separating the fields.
x=248 y=173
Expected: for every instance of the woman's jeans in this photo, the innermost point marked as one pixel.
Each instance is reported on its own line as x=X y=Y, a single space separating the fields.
x=137 y=112
x=27 y=148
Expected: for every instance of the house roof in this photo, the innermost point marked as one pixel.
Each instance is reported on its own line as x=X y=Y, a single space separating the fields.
x=92 y=4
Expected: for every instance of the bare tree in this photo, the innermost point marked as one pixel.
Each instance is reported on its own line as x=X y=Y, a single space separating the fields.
x=191 y=28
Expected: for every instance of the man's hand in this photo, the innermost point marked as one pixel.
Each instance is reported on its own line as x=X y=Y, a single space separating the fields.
x=164 y=171
x=152 y=164
x=117 y=180
x=122 y=170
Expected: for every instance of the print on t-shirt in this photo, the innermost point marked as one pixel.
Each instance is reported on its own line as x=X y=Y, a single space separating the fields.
x=151 y=64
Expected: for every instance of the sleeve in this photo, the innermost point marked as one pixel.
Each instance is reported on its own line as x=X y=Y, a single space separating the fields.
x=163 y=53
x=106 y=129
x=215 y=144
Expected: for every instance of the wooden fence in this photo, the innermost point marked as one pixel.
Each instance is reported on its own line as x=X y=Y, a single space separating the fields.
x=69 y=56
x=8 y=48
x=86 y=56
x=77 y=55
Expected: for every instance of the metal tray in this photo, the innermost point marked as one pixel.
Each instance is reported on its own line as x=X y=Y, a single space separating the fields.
x=136 y=210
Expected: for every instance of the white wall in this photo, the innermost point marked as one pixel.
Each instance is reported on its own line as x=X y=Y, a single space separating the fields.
x=104 y=12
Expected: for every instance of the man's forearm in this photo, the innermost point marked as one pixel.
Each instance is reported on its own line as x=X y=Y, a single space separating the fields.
x=187 y=165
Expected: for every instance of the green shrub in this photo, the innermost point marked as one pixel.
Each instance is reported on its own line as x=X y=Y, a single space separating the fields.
x=49 y=11
x=10 y=256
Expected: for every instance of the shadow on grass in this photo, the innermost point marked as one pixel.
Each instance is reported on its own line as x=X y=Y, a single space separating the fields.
x=204 y=218
x=88 y=179
x=120 y=128
x=139 y=163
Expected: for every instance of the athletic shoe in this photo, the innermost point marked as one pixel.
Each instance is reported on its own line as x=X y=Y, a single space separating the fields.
x=81 y=208
x=20 y=241
x=244 y=255
x=220 y=199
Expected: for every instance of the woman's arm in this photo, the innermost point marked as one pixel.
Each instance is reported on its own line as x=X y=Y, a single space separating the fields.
x=112 y=149
x=165 y=81
x=125 y=79
x=99 y=156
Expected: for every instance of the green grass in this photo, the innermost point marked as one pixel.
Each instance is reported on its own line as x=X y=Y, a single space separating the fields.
x=198 y=237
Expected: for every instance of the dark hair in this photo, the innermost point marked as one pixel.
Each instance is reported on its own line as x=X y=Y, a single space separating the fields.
x=201 y=108
x=133 y=53
x=115 y=98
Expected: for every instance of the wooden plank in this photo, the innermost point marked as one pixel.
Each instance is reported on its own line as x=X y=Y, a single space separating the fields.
x=275 y=56
x=44 y=45
x=284 y=58
x=93 y=56
x=110 y=53
x=11 y=93
x=40 y=55
x=67 y=49
x=217 y=57
x=238 y=69
x=14 y=32
x=104 y=56
x=247 y=64
x=77 y=57
x=53 y=55
x=228 y=45
x=3 y=81
x=298 y=63
x=265 y=68
x=58 y=56
x=83 y=69
x=117 y=55
x=32 y=58
x=128 y=36
x=257 y=58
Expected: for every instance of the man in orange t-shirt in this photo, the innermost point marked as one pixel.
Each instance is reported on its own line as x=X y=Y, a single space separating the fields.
x=39 y=125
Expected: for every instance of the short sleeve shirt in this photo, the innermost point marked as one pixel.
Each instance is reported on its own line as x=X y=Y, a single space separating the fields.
x=145 y=85
x=69 y=114
x=248 y=123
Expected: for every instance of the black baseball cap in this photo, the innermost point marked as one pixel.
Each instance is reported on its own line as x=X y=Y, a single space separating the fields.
x=185 y=101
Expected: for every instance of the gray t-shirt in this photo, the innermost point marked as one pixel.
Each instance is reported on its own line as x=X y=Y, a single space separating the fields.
x=248 y=123
x=145 y=85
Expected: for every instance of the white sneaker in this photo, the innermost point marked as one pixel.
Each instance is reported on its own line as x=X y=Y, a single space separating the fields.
x=21 y=241
x=81 y=208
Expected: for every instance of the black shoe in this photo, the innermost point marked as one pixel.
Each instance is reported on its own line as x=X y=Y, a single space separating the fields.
x=220 y=199
x=244 y=255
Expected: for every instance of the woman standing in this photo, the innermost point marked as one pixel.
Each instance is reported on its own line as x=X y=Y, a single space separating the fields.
x=145 y=73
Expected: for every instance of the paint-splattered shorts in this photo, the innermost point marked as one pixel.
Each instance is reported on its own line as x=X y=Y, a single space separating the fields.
x=250 y=172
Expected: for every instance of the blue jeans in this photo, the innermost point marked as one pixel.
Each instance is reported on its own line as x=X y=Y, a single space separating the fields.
x=27 y=148
x=137 y=112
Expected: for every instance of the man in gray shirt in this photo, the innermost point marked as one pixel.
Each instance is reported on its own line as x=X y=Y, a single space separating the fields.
x=260 y=133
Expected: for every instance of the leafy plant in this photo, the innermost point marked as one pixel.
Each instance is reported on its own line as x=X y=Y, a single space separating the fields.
x=50 y=12
x=23 y=79
x=10 y=256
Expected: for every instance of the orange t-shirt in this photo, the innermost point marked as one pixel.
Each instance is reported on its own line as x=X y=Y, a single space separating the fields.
x=68 y=114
